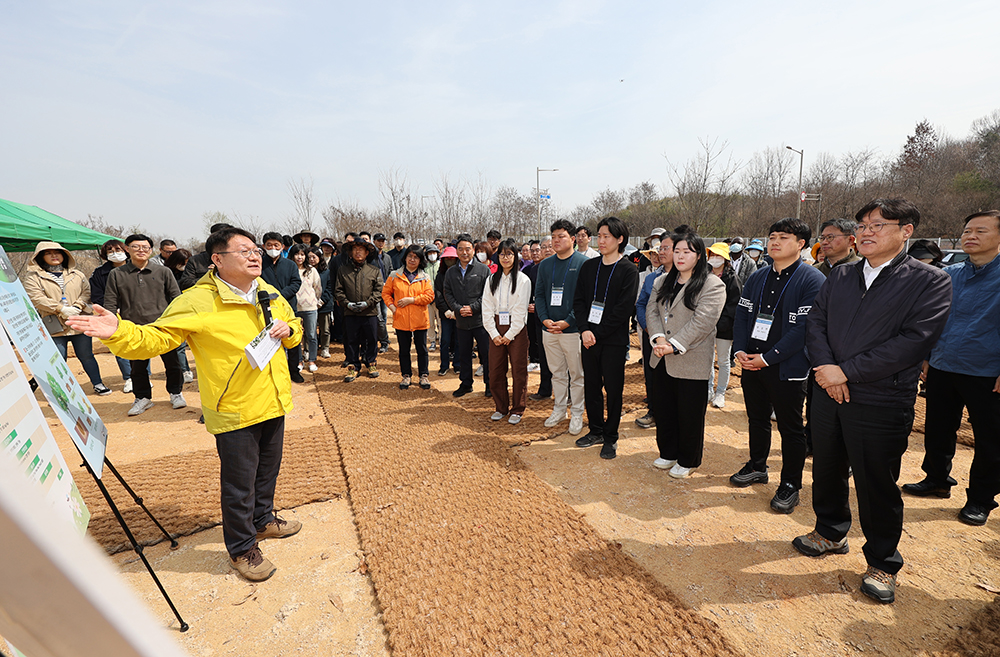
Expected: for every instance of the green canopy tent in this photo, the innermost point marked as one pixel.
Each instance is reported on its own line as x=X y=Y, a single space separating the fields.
x=24 y=226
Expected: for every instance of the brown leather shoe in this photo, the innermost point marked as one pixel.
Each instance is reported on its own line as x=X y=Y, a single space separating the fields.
x=279 y=528
x=253 y=565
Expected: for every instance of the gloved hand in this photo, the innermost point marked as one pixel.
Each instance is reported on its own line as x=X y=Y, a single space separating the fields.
x=68 y=311
x=450 y=314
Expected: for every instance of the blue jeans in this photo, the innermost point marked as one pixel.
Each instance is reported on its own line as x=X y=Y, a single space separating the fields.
x=84 y=349
x=125 y=367
x=308 y=318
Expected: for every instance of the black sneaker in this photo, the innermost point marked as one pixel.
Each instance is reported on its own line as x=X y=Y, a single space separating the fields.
x=589 y=440
x=786 y=498
x=538 y=397
x=102 y=389
x=646 y=421
x=609 y=451
x=462 y=390
x=443 y=371
x=747 y=476
x=297 y=377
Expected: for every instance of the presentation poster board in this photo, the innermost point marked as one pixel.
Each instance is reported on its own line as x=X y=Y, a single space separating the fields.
x=26 y=440
x=68 y=401
x=10 y=649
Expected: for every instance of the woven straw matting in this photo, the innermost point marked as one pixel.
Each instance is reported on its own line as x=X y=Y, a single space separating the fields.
x=182 y=491
x=471 y=554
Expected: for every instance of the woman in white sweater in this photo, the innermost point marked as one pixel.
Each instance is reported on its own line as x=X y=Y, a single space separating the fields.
x=505 y=313
x=307 y=299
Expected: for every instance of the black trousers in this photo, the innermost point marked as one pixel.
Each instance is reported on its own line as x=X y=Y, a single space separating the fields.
x=534 y=343
x=360 y=340
x=249 y=460
x=141 y=386
x=810 y=389
x=763 y=390
x=405 y=339
x=871 y=440
x=604 y=373
x=947 y=394
x=545 y=385
x=647 y=371
x=679 y=409
x=482 y=339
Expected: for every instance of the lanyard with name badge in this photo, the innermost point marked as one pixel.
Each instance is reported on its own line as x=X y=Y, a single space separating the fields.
x=762 y=325
x=597 y=309
x=556 y=298
x=504 y=315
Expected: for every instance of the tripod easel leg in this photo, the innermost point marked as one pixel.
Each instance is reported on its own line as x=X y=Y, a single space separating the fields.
x=135 y=544
x=138 y=500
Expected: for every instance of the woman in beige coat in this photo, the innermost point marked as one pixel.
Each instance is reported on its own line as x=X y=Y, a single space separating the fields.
x=59 y=290
x=684 y=307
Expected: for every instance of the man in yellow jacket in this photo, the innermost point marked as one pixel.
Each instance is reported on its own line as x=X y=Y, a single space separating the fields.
x=244 y=406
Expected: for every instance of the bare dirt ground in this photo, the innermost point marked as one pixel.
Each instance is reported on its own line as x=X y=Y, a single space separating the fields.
x=720 y=549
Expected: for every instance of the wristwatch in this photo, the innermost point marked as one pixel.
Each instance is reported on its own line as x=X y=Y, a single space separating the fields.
x=674 y=347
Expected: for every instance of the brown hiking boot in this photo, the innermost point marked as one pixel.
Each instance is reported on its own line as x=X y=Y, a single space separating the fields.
x=279 y=528
x=253 y=565
x=351 y=374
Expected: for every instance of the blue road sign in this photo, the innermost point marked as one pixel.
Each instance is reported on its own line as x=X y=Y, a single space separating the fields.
x=544 y=196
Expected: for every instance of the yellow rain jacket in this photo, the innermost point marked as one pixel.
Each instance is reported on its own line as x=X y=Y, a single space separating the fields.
x=217 y=324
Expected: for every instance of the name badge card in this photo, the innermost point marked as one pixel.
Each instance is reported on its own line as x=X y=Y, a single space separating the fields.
x=555 y=299
x=596 y=313
x=504 y=318
x=762 y=327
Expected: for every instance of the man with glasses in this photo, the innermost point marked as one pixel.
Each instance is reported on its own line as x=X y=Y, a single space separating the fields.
x=836 y=239
x=869 y=330
x=964 y=372
x=140 y=292
x=244 y=406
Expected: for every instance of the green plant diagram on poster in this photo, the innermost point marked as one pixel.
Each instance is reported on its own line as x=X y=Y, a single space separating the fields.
x=47 y=365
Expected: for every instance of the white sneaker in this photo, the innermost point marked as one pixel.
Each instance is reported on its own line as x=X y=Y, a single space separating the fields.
x=497 y=416
x=719 y=401
x=679 y=471
x=177 y=400
x=128 y=386
x=324 y=353
x=575 y=425
x=555 y=418
x=479 y=371
x=140 y=406
x=188 y=376
x=514 y=419
x=664 y=464
x=534 y=367
x=773 y=416
x=312 y=367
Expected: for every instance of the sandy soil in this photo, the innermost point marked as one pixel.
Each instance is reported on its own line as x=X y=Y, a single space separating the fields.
x=719 y=548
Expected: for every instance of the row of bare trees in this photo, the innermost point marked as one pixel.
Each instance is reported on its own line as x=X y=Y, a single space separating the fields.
x=718 y=195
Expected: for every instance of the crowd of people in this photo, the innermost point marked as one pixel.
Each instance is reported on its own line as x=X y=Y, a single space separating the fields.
x=842 y=328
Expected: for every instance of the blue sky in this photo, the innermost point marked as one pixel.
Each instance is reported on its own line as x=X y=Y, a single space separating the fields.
x=155 y=113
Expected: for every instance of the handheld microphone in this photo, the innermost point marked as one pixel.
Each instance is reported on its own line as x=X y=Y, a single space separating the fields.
x=265 y=305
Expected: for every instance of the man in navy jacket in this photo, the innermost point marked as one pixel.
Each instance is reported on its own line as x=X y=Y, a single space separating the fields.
x=871 y=326
x=283 y=274
x=769 y=336
x=964 y=371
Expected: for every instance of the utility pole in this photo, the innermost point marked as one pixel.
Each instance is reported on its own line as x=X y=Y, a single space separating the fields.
x=538 y=197
x=798 y=213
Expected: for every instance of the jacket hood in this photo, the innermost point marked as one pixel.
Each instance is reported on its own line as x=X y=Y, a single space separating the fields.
x=69 y=262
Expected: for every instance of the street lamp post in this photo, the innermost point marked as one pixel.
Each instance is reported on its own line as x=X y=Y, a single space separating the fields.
x=538 y=197
x=798 y=213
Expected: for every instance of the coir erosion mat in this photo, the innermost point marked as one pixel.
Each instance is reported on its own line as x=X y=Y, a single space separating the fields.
x=472 y=554
x=182 y=490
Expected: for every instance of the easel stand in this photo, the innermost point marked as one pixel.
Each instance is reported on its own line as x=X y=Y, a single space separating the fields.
x=128 y=533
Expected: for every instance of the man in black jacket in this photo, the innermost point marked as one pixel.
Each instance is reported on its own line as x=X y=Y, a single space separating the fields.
x=870 y=328
x=603 y=304
x=197 y=265
x=282 y=274
x=463 y=290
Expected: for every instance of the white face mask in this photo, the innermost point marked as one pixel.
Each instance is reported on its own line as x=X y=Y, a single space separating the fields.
x=400 y=243
x=432 y=257
x=481 y=256
x=654 y=244
x=274 y=253
x=736 y=248
x=716 y=261
x=117 y=256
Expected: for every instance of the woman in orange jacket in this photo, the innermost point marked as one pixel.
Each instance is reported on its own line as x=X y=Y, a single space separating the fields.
x=407 y=292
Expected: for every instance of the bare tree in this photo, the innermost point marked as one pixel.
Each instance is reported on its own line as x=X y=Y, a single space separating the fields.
x=344 y=216
x=479 y=194
x=766 y=184
x=608 y=203
x=398 y=212
x=303 y=207
x=451 y=206
x=512 y=213
x=705 y=188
